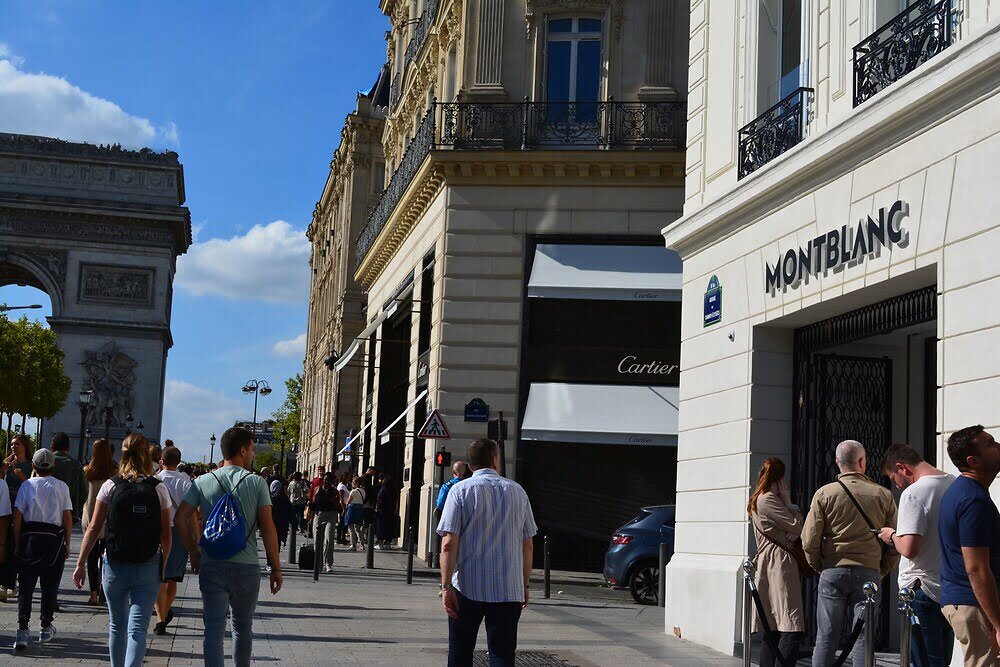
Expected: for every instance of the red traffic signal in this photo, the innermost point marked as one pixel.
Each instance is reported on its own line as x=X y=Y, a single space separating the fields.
x=442 y=459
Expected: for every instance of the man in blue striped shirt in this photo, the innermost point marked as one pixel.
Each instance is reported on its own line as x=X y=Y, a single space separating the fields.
x=486 y=550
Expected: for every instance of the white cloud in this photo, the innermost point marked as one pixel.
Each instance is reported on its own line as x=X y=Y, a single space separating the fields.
x=268 y=263
x=51 y=106
x=191 y=414
x=294 y=347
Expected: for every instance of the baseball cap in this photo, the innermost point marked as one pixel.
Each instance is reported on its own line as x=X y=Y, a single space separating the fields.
x=43 y=459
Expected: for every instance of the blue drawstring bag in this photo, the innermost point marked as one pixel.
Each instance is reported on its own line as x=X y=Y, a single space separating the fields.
x=225 y=529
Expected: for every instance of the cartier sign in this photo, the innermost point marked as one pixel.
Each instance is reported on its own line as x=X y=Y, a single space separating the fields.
x=607 y=365
x=632 y=365
x=848 y=245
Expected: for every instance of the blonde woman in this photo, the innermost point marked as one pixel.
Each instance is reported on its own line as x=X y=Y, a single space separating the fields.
x=101 y=468
x=137 y=538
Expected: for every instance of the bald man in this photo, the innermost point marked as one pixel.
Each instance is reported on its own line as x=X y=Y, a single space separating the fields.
x=841 y=543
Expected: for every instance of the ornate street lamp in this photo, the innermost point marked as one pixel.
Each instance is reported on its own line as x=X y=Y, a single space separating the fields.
x=85 y=398
x=211 y=455
x=129 y=420
x=257 y=388
x=279 y=433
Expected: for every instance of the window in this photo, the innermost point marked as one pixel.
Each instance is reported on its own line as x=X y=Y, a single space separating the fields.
x=573 y=60
x=780 y=57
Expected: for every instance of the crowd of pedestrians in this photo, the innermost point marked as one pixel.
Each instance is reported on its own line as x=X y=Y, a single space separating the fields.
x=944 y=536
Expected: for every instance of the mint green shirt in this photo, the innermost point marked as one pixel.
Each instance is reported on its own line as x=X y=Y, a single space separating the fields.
x=251 y=494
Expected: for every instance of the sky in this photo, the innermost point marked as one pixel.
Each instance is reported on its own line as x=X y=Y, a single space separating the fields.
x=252 y=95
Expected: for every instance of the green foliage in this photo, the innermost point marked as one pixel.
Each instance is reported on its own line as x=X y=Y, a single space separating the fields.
x=264 y=460
x=31 y=365
x=288 y=417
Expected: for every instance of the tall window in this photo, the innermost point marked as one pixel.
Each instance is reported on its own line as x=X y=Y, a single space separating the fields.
x=573 y=60
x=780 y=58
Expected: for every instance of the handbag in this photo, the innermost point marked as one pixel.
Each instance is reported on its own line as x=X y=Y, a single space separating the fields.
x=798 y=554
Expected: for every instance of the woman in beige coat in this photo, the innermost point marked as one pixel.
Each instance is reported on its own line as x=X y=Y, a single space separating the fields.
x=777 y=525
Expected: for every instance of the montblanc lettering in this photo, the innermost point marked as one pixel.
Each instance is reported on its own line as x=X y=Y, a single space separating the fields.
x=837 y=247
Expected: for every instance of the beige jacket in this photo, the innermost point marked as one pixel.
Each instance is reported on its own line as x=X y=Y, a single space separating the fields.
x=88 y=509
x=835 y=533
x=777 y=575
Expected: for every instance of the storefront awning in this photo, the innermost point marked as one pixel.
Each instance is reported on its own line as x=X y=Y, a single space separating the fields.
x=384 y=435
x=357 y=438
x=601 y=414
x=391 y=307
x=606 y=272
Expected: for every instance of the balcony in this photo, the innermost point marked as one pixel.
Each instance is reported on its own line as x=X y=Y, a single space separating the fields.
x=421 y=30
x=773 y=132
x=394 y=92
x=528 y=126
x=914 y=36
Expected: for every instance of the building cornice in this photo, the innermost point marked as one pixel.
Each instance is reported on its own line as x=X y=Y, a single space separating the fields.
x=585 y=168
x=953 y=81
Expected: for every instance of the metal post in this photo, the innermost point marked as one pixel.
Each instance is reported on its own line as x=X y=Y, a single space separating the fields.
x=662 y=574
x=410 y=548
x=318 y=553
x=370 y=548
x=524 y=124
x=871 y=593
x=293 y=555
x=83 y=427
x=548 y=568
x=906 y=611
x=747 y=609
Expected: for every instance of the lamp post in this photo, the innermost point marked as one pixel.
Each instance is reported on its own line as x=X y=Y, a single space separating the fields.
x=4 y=308
x=279 y=433
x=85 y=398
x=257 y=388
x=129 y=420
x=211 y=456
x=107 y=422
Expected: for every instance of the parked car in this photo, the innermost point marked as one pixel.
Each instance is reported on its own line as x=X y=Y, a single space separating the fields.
x=633 y=559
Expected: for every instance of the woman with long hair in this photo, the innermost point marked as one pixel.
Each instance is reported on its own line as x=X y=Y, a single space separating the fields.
x=101 y=468
x=777 y=526
x=137 y=542
x=18 y=463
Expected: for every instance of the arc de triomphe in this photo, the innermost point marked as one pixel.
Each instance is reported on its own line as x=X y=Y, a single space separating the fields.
x=99 y=229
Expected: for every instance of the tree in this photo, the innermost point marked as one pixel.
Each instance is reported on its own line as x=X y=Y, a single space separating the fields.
x=288 y=417
x=265 y=459
x=31 y=365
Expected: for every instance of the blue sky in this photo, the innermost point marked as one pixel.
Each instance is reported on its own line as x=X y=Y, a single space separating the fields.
x=253 y=97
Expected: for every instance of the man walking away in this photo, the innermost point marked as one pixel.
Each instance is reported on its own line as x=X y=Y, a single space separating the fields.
x=43 y=523
x=840 y=541
x=916 y=540
x=458 y=471
x=486 y=550
x=234 y=582
x=969 y=526
x=178 y=484
x=327 y=509
x=68 y=470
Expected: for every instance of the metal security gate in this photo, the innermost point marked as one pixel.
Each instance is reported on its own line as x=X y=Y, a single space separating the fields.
x=845 y=397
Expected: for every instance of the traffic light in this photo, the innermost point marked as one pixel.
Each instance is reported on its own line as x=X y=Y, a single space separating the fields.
x=442 y=459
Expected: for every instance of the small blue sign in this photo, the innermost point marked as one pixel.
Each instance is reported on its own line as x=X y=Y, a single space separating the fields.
x=713 y=302
x=476 y=410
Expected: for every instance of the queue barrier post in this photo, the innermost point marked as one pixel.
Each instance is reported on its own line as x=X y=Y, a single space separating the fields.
x=870 y=590
x=906 y=626
x=547 y=565
x=748 y=572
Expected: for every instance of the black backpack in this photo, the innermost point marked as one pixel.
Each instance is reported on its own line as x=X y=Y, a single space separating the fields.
x=133 y=520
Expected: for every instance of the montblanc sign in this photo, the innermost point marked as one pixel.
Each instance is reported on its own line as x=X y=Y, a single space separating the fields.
x=847 y=245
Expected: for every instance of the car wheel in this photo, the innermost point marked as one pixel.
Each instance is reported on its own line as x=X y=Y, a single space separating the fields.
x=645 y=584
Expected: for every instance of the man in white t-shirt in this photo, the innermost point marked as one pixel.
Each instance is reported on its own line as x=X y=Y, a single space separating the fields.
x=178 y=484
x=916 y=539
x=42 y=501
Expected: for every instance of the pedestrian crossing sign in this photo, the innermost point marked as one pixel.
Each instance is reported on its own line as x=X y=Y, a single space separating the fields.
x=434 y=428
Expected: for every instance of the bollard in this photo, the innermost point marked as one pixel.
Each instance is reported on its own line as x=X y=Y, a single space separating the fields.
x=410 y=548
x=661 y=589
x=747 y=609
x=293 y=556
x=871 y=593
x=906 y=627
x=370 y=547
x=548 y=568
x=317 y=551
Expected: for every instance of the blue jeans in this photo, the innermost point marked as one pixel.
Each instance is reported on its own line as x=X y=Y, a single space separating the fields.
x=131 y=590
x=839 y=592
x=501 y=631
x=226 y=586
x=938 y=636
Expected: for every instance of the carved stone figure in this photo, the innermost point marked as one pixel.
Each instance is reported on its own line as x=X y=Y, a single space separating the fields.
x=110 y=374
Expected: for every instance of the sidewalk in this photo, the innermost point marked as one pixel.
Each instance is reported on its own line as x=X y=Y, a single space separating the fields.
x=354 y=615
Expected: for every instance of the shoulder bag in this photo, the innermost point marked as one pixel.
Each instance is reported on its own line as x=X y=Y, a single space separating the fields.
x=873 y=531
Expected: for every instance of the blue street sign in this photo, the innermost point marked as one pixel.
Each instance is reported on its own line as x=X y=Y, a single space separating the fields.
x=476 y=410
x=713 y=302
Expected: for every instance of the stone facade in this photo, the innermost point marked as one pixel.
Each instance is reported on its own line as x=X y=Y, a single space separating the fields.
x=928 y=140
x=99 y=229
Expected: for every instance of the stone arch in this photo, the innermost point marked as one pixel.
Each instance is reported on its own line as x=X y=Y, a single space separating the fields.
x=42 y=269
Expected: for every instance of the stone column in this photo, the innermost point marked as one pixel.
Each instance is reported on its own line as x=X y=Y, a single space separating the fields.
x=659 y=57
x=489 y=50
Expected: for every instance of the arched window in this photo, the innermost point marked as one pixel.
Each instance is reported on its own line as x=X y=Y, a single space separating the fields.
x=573 y=60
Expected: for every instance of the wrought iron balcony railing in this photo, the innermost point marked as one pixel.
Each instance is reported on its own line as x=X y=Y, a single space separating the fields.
x=394 y=91
x=525 y=125
x=421 y=30
x=911 y=38
x=773 y=132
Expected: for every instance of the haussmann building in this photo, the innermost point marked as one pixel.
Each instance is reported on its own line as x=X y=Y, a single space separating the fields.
x=842 y=204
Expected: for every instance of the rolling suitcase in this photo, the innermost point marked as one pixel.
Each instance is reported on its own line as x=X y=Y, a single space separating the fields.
x=307 y=555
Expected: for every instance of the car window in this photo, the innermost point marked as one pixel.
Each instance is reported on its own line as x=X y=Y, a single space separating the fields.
x=637 y=518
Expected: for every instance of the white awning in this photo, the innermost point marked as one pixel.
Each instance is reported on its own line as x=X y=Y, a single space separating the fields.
x=606 y=272
x=356 y=438
x=402 y=415
x=372 y=327
x=601 y=414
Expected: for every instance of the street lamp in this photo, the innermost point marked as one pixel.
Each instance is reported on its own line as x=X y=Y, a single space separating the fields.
x=279 y=433
x=257 y=388
x=211 y=456
x=139 y=426
x=129 y=420
x=107 y=422
x=85 y=398
x=4 y=308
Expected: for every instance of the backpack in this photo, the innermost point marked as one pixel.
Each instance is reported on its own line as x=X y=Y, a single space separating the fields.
x=226 y=532
x=133 y=520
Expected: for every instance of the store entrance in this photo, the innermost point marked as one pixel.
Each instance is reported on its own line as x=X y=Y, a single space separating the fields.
x=867 y=375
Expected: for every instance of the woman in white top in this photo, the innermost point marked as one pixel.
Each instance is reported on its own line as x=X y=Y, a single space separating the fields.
x=345 y=497
x=355 y=515
x=136 y=541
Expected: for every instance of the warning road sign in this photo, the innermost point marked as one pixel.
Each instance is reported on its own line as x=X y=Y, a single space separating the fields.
x=434 y=428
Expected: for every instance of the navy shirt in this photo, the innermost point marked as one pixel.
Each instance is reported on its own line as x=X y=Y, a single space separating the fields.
x=969 y=518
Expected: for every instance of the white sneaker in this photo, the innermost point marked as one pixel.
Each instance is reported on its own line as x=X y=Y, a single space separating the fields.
x=21 y=642
x=46 y=634
x=327 y=568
